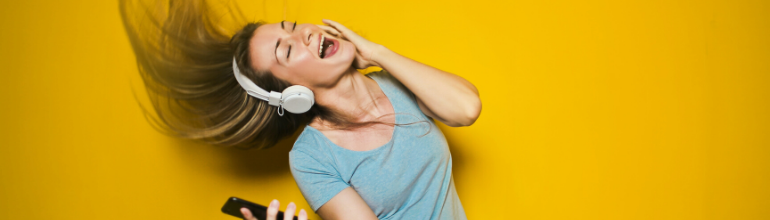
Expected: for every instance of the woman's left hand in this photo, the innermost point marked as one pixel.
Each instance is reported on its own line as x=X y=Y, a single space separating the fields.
x=366 y=51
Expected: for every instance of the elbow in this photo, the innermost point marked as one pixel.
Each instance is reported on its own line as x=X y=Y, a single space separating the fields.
x=473 y=114
x=470 y=115
x=472 y=109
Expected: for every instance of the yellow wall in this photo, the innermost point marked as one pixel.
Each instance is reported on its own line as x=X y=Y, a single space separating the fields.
x=592 y=110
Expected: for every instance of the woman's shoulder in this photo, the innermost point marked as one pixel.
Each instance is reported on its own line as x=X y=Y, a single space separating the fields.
x=310 y=151
x=383 y=77
x=403 y=100
x=306 y=141
x=308 y=144
x=390 y=85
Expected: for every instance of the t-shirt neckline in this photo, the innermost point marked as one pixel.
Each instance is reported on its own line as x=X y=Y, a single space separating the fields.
x=392 y=135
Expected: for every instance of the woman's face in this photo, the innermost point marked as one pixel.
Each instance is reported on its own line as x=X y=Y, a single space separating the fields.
x=292 y=54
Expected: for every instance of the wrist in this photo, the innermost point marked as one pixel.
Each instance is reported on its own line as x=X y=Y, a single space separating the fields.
x=378 y=55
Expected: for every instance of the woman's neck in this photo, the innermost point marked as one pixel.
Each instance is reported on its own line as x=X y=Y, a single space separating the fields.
x=355 y=96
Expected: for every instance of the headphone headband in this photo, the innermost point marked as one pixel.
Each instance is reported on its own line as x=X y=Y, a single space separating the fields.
x=273 y=98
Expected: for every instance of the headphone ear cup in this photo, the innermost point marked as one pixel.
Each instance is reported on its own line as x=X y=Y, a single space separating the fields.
x=297 y=99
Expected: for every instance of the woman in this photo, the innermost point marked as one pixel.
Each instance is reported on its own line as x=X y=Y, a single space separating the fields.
x=370 y=149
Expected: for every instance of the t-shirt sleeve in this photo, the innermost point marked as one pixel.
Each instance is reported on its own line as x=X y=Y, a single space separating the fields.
x=317 y=179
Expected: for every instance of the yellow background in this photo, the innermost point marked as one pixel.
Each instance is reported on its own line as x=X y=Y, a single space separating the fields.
x=591 y=110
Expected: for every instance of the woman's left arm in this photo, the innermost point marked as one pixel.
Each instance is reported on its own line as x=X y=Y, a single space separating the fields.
x=444 y=96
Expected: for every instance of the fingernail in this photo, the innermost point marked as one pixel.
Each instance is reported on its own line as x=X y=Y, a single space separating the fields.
x=274 y=203
x=243 y=211
x=302 y=213
x=291 y=206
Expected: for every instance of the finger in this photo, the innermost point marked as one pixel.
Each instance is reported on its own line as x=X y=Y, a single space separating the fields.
x=352 y=36
x=330 y=30
x=337 y=26
x=302 y=214
x=272 y=210
x=247 y=214
x=289 y=213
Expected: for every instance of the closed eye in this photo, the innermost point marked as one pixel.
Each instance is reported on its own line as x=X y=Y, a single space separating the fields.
x=292 y=30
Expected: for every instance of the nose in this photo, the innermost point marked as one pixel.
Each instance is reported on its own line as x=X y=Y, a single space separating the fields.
x=306 y=32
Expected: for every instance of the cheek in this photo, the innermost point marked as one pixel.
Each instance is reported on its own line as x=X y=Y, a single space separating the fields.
x=306 y=69
x=350 y=50
x=309 y=70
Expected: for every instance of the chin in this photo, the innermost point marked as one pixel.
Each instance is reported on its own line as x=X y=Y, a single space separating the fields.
x=342 y=61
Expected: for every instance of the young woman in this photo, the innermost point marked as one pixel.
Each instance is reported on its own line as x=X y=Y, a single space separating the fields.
x=369 y=150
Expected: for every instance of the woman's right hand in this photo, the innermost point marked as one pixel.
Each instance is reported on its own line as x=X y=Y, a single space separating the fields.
x=272 y=212
x=365 y=50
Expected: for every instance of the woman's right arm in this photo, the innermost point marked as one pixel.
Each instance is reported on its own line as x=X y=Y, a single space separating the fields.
x=346 y=205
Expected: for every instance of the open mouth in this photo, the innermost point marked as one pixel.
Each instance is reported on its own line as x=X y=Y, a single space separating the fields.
x=327 y=47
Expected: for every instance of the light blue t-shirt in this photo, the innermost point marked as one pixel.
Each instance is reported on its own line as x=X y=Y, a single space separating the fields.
x=410 y=177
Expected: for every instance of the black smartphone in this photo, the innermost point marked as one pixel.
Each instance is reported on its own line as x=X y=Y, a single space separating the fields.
x=234 y=204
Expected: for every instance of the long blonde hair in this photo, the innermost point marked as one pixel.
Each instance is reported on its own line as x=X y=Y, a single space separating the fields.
x=184 y=55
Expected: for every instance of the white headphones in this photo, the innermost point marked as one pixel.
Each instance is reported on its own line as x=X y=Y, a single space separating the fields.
x=295 y=99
